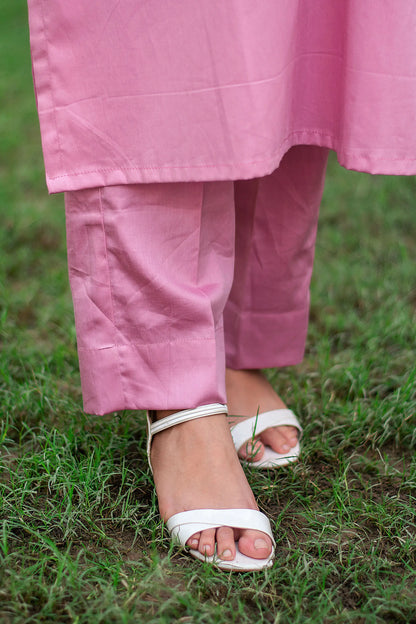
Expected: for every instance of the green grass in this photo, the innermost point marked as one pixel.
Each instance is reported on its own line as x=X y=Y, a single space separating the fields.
x=80 y=536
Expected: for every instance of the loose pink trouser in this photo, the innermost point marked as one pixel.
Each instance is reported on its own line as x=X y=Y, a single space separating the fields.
x=172 y=281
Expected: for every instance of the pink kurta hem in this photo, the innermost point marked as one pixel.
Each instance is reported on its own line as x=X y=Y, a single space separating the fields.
x=134 y=92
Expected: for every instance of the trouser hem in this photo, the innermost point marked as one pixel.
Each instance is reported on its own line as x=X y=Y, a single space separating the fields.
x=177 y=375
x=264 y=340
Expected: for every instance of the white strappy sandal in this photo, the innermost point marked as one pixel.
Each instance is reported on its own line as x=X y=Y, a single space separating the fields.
x=246 y=430
x=185 y=524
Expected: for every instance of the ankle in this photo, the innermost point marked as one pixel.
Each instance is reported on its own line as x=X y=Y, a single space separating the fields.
x=160 y=414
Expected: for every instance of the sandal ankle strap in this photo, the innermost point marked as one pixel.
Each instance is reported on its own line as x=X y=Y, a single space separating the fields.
x=180 y=417
x=189 y=414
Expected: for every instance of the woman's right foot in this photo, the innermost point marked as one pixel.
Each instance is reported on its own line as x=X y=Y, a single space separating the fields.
x=195 y=466
x=249 y=393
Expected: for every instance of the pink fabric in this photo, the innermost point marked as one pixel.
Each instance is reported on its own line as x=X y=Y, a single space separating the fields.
x=151 y=268
x=155 y=91
x=266 y=316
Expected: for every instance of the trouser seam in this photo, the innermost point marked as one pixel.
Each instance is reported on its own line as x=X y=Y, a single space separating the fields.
x=122 y=387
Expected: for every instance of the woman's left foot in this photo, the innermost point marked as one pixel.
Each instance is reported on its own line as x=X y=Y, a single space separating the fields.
x=195 y=467
x=249 y=393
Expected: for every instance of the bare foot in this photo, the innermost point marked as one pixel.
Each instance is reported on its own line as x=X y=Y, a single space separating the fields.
x=249 y=393
x=195 y=466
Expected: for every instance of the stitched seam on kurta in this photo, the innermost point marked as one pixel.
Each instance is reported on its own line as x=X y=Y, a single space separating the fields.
x=52 y=91
x=241 y=163
x=284 y=143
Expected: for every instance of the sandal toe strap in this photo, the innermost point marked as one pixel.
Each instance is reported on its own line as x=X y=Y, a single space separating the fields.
x=185 y=524
x=246 y=429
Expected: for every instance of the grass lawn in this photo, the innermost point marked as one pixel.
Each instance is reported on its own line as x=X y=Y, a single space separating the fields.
x=80 y=536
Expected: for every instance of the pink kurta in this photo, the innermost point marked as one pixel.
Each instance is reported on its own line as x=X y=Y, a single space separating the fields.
x=191 y=90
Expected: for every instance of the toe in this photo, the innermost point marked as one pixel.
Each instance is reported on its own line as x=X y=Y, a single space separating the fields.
x=206 y=544
x=291 y=433
x=280 y=439
x=255 y=544
x=193 y=541
x=253 y=450
x=225 y=543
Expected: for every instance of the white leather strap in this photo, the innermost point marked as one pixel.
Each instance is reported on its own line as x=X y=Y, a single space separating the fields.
x=185 y=415
x=180 y=417
x=185 y=524
x=247 y=429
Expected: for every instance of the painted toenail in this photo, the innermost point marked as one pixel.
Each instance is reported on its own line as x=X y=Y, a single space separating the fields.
x=285 y=448
x=194 y=543
x=226 y=554
x=260 y=543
